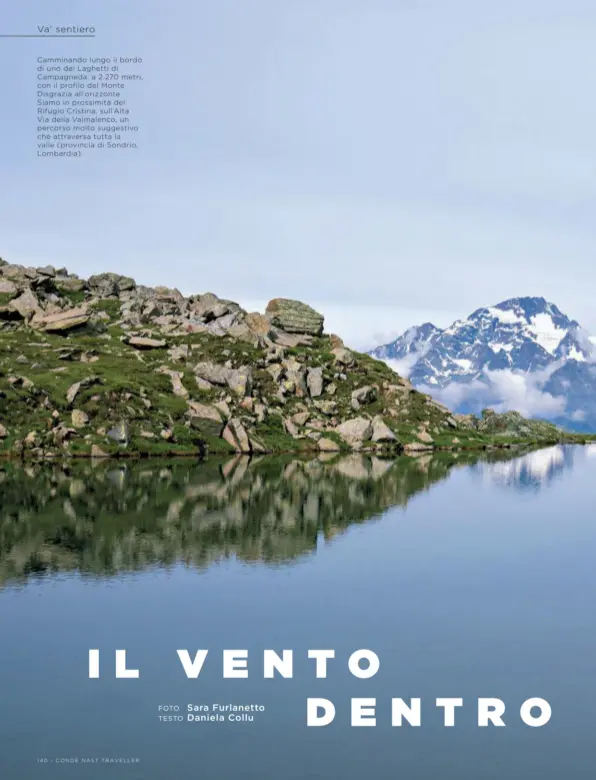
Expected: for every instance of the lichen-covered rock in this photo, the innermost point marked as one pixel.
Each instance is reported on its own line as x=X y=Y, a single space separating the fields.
x=240 y=380
x=294 y=316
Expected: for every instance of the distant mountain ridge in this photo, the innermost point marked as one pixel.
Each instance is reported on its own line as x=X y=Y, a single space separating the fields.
x=522 y=353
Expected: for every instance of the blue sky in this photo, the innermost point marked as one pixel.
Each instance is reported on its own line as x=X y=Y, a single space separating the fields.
x=390 y=162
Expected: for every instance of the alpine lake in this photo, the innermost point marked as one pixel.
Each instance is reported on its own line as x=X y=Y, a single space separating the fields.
x=467 y=576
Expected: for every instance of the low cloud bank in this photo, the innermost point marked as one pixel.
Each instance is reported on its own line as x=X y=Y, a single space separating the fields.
x=504 y=391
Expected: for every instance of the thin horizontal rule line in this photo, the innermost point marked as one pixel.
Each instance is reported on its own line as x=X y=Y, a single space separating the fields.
x=36 y=35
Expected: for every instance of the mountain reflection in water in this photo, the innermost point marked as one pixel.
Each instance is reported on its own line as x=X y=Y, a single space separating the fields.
x=531 y=471
x=105 y=519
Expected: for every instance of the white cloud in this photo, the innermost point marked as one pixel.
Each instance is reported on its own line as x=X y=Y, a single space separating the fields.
x=522 y=393
x=404 y=366
x=505 y=391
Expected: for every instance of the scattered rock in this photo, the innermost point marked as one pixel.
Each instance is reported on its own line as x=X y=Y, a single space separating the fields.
x=239 y=380
x=295 y=381
x=31 y=439
x=139 y=342
x=343 y=357
x=363 y=395
x=3 y=432
x=119 y=433
x=314 y=381
x=176 y=378
x=74 y=389
x=300 y=418
x=328 y=408
x=424 y=436
x=328 y=445
x=417 y=446
x=180 y=353
x=79 y=418
x=258 y=324
x=7 y=287
x=97 y=452
x=291 y=429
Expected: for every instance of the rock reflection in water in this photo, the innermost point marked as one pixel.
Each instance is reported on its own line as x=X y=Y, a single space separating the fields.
x=108 y=519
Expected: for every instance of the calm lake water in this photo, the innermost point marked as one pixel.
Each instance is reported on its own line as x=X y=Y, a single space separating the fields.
x=468 y=579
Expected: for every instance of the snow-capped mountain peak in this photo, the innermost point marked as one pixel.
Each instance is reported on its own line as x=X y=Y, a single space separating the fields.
x=517 y=338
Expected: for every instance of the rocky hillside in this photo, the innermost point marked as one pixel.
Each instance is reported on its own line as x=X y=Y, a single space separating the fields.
x=105 y=366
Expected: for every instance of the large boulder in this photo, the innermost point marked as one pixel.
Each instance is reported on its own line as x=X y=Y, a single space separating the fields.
x=294 y=316
x=7 y=287
x=239 y=380
x=110 y=285
x=382 y=433
x=26 y=304
x=204 y=411
x=63 y=321
x=236 y=436
x=355 y=432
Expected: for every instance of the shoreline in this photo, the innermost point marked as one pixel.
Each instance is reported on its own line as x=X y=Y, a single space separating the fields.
x=386 y=453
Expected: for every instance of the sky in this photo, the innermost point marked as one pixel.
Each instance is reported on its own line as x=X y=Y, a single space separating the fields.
x=389 y=162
